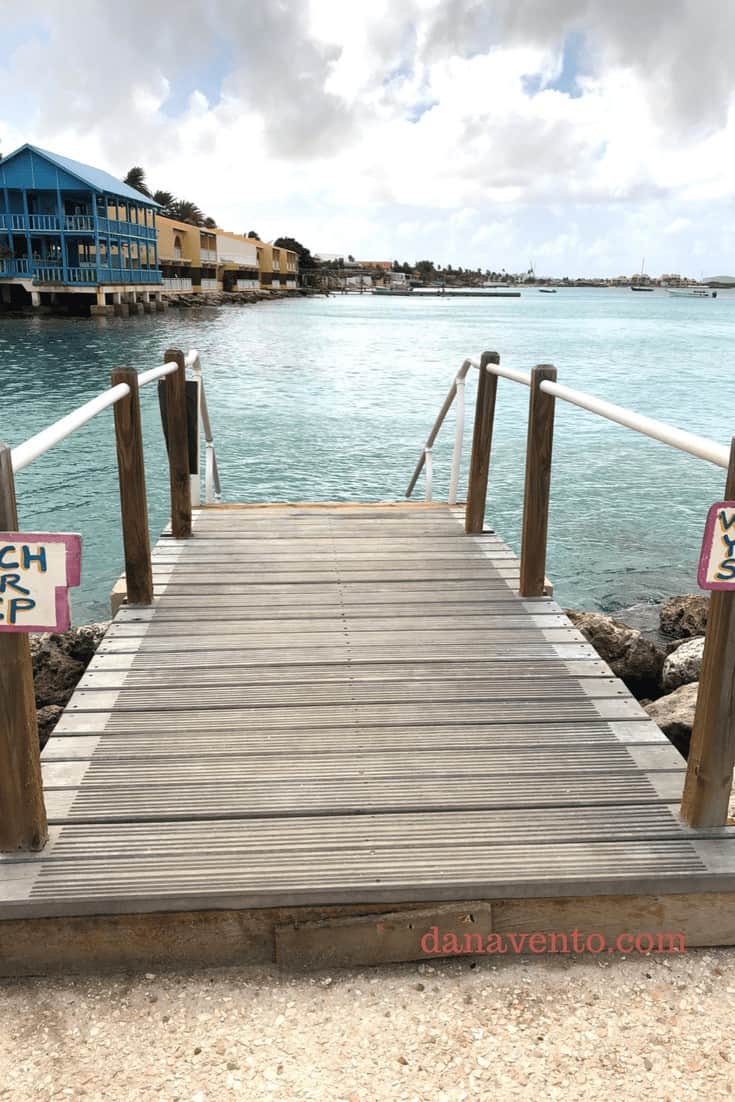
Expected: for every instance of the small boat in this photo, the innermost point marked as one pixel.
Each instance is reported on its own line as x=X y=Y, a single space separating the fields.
x=641 y=286
x=547 y=290
x=393 y=290
x=691 y=291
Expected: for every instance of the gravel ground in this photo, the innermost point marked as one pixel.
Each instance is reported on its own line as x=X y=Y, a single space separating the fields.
x=536 y=1028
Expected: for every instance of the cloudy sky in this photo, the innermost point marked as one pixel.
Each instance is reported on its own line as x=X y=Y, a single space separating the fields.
x=577 y=134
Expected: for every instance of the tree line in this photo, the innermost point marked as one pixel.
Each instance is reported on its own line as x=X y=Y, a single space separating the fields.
x=186 y=211
x=182 y=209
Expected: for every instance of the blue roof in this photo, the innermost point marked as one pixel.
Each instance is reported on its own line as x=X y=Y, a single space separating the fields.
x=94 y=177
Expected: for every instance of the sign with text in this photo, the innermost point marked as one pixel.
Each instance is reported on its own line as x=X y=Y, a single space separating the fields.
x=37 y=570
x=717 y=560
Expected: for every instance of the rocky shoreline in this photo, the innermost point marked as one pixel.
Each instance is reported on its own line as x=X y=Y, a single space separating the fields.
x=58 y=664
x=659 y=662
x=232 y=298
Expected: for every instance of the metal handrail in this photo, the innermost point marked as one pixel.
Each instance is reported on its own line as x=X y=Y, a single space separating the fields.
x=24 y=454
x=699 y=446
x=457 y=388
x=212 y=487
x=681 y=439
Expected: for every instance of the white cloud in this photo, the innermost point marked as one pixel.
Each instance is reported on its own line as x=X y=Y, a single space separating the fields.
x=450 y=128
x=678 y=225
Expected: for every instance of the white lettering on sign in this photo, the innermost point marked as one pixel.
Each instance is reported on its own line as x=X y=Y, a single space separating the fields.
x=717 y=560
x=37 y=570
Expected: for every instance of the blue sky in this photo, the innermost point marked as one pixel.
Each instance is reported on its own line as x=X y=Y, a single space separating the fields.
x=483 y=133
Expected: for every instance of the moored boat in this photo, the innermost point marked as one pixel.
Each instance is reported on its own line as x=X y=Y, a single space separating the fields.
x=691 y=291
x=641 y=282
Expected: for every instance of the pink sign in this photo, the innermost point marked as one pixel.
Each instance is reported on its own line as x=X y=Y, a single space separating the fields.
x=37 y=570
x=717 y=560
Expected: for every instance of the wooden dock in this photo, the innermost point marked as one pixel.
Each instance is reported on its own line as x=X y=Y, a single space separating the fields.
x=314 y=732
x=333 y=710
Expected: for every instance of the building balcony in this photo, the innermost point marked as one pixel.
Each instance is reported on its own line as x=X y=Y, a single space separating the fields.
x=126 y=229
x=14 y=269
x=208 y=285
x=208 y=256
x=129 y=275
x=176 y=284
x=90 y=275
x=74 y=223
x=19 y=223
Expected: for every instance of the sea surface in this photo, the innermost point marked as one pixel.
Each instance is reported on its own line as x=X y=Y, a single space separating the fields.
x=332 y=399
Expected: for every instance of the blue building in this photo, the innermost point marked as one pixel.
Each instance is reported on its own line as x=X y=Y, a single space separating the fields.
x=67 y=227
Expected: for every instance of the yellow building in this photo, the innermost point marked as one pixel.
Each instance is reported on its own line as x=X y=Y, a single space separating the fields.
x=279 y=267
x=194 y=259
x=187 y=256
x=237 y=262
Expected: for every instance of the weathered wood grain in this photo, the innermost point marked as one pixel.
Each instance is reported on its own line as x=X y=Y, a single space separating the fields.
x=133 y=499
x=22 y=813
x=178 y=446
x=482 y=436
x=251 y=742
x=712 y=749
x=537 y=484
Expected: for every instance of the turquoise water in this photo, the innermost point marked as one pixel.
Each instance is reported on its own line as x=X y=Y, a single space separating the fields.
x=331 y=399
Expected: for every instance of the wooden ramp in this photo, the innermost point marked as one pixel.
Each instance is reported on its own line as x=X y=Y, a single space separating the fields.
x=350 y=706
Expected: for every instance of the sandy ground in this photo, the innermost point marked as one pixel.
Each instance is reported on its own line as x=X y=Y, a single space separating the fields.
x=536 y=1028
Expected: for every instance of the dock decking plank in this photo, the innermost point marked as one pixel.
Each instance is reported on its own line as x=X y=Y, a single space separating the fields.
x=350 y=703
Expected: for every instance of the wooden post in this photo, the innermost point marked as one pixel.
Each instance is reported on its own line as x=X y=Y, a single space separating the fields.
x=178 y=446
x=538 y=484
x=133 y=501
x=712 y=748
x=482 y=438
x=23 y=823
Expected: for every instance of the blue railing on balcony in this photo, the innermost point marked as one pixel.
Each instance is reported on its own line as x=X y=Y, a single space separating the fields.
x=127 y=229
x=47 y=223
x=10 y=268
x=88 y=274
x=128 y=275
x=77 y=223
x=74 y=223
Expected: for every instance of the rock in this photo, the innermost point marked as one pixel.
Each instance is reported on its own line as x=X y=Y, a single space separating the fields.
x=59 y=660
x=674 y=714
x=682 y=666
x=645 y=618
x=684 y=617
x=47 y=718
x=55 y=672
x=637 y=661
x=82 y=642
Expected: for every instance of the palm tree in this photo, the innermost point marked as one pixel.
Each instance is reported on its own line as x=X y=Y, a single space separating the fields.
x=166 y=202
x=186 y=211
x=136 y=179
x=210 y=223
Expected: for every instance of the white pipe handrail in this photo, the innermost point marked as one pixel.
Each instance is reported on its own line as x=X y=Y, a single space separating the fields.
x=509 y=373
x=212 y=487
x=680 y=439
x=451 y=394
x=36 y=446
x=146 y=377
x=699 y=446
x=39 y=444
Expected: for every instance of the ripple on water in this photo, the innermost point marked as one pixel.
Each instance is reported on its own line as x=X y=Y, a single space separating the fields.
x=330 y=399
